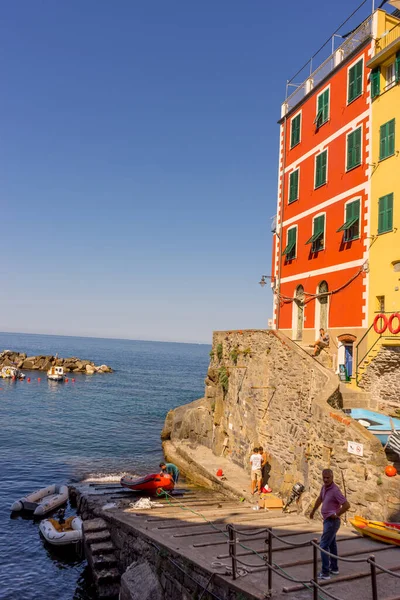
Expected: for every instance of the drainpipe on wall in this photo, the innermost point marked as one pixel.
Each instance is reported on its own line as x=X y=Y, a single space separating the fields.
x=282 y=175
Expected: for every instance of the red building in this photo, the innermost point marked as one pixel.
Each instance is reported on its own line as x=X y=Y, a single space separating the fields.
x=320 y=243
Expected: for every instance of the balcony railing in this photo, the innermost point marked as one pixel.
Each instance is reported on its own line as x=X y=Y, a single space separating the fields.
x=387 y=38
x=351 y=43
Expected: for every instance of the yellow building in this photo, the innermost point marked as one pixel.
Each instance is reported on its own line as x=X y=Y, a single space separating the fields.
x=384 y=213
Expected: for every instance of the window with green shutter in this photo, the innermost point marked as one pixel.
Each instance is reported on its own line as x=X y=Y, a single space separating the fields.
x=290 y=250
x=385 y=214
x=386 y=139
x=353 y=149
x=397 y=67
x=375 y=80
x=294 y=186
x=322 y=108
x=318 y=237
x=295 y=131
x=355 y=81
x=351 y=226
x=320 y=168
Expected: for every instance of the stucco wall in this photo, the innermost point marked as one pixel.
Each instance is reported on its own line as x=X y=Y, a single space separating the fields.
x=278 y=397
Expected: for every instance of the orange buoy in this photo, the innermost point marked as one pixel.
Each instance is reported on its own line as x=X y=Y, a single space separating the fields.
x=39 y=379
x=13 y=378
x=29 y=379
x=66 y=380
x=390 y=471
x=219 y=473
x=73 y=380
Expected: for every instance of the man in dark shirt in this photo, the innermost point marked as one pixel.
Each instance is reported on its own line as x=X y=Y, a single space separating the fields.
x=334 y=504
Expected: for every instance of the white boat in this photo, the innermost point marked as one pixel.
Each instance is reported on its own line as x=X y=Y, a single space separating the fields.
x=55 y=374
x=61 y=534
x=42 y=501
x=11 y=373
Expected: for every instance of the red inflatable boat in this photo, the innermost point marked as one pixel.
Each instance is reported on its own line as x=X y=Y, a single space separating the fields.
x=150 y=483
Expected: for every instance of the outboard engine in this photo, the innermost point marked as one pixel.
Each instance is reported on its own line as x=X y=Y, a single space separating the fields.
x=297 y=490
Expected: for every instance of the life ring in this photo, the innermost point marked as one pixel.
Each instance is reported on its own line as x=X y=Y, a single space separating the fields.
x=384 y=326
x=394 y=331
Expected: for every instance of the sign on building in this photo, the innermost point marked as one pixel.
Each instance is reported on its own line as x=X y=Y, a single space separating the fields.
x=355 y=448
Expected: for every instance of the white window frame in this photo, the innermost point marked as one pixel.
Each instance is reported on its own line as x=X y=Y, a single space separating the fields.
x=300 y=112
x=315 y=217
x=359 y=218
x=347 y=145
x=392 y=82
x=328 y=87
x=287 y=239
x=298 y=186
x=347 y=79
x=327 y=167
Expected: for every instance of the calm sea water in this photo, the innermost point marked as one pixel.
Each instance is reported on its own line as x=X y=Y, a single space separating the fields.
x=60 y=433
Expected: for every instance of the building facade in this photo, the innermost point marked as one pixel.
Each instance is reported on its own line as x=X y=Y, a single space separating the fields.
x=384 y=255
x=321 y=245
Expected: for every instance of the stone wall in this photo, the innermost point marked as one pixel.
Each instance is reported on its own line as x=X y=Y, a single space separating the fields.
x=263 y=389
x=382 y=378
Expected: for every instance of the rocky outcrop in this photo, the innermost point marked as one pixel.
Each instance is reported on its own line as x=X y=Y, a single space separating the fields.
x=262 y=389
x=44 y=362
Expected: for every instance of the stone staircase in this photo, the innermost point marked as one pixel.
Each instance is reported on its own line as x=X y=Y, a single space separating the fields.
x=100 y=554
x=353 y=397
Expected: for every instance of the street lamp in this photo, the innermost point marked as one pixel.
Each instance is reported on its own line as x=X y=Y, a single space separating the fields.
x=263 y=282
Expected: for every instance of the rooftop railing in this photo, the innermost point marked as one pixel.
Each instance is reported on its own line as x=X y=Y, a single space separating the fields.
x=387 y=38
x=351 y=43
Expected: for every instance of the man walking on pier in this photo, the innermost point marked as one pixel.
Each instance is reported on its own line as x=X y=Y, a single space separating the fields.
x=334 y=504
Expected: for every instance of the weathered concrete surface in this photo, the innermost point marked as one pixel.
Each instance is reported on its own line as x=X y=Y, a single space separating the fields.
x=183 y=544
x=140 y=583
x=262 y=388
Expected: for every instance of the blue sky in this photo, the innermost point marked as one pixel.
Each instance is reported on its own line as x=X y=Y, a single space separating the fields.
x=138 y=161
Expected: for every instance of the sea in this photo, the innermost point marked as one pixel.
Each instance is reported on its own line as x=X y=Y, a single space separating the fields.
x=96 y=427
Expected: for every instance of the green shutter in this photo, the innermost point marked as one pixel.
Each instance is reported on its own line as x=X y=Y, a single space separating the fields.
x=295 y=135
x=354 y=149
x=318 y=233
x=385 y=214
x=320 y=169
x=351 y=224
x=294 y=186
x=397 y=67
x=322 y=108
x=387 y=139
x=355 y=81
x=290 y=250
x=375 y=82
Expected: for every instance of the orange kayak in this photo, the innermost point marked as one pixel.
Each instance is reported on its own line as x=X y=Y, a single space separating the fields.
x=382 y=531
x=150 y=483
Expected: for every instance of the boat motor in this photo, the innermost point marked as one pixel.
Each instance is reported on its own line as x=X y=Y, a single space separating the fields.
x=61 y=515
x=297 y=490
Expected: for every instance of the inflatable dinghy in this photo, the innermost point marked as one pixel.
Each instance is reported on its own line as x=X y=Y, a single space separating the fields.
x=61 y=534
x=151 y=484
x=42 y=501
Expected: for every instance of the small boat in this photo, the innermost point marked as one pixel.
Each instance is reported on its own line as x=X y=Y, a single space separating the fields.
x=383 y=531
x=42 y=501
x=380 y=425
x=11 y=373
x=61 y=533
x=55 y=374
x=151 y=484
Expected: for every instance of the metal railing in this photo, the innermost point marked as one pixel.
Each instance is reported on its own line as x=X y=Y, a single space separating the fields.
x=311 y=583
x=387 y=38
x=355 y=39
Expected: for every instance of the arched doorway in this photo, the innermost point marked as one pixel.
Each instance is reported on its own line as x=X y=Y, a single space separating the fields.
x=321 y=308
x=298 y=313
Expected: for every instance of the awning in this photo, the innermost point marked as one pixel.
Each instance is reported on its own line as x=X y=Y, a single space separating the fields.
x=349 y=223
x=289 y=248
x=315 y=237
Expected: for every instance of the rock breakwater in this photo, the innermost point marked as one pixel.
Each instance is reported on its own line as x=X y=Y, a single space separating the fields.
x=43 y=362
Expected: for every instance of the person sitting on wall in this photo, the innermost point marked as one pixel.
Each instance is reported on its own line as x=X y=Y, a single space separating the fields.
x=256 y=474
x=322 y=342
x=171 y=469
